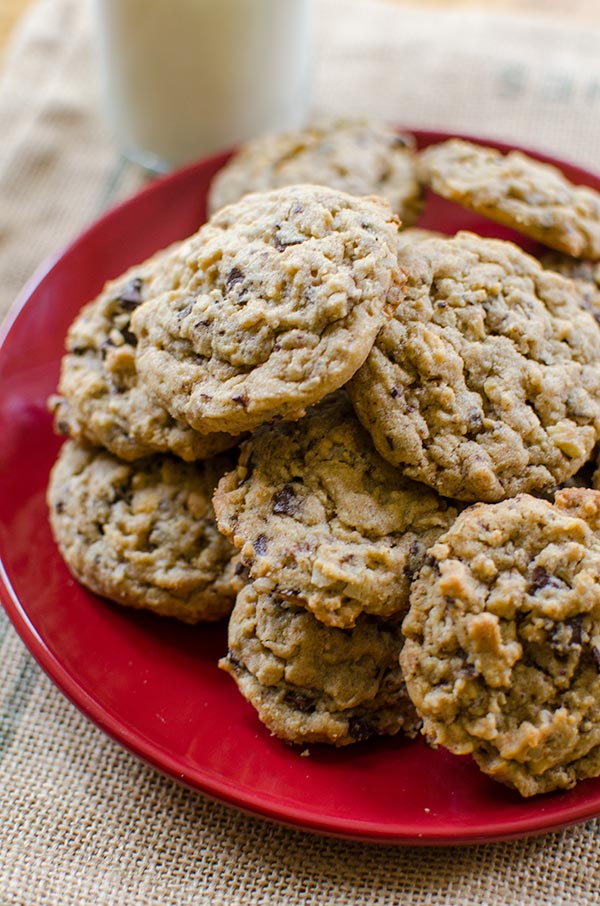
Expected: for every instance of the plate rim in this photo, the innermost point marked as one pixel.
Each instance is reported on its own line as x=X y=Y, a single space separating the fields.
x=143 y=748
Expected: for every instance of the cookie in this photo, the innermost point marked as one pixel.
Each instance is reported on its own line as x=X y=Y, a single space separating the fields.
x=354 y=156
x=502 y=640
x=100 y=398
x=584 y=272
x=144 y=533
x=586 y=275
x=313 y=506
x=486 y=382
x=279 y=301
x=514 y=189
x=311 y=683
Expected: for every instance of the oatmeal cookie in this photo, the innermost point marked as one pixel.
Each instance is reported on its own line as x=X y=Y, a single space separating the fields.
x=354 y=156
x=100 y=397
x=312 y=683
x=584 y=272
x=144 y=533
x=314 y=507
x=279 y=300
x=502 y=640
x=514 y=189
x=486 y=382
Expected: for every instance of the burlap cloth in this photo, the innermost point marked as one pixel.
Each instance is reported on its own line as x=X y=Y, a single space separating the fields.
x=81 y=821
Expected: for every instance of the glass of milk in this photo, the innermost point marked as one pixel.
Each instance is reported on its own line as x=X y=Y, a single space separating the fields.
x=188 y=78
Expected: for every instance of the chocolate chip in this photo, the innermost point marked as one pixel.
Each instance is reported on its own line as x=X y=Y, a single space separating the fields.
x=414 y=559
x=394 y=393
x=260 y=545
x=234 y=276
x=281 y=246
x=361 y=728
x=474 y=421
x=131 y=296
x=565 y=635
x=541 y=579
x=285 y=502
x=432 y=563
x=575 y=624
x=241 y=399
x=240 y=569
x=60 y=506
x=129 y=337
x=105 y=346
x=299 y=701
x=233 y=661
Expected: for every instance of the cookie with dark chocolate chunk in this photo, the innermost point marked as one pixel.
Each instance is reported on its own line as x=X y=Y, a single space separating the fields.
x=100 y=398
x=278 y=302
x=486 y=381
x=514 y=189
x=502 y=650
x=144 y=533
x=313 y=506
x=357 y=156
x=314 y=683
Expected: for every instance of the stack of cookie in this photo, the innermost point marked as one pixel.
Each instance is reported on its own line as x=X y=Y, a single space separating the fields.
x=407 y=409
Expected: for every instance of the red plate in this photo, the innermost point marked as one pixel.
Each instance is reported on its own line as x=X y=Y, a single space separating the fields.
x=153 y=684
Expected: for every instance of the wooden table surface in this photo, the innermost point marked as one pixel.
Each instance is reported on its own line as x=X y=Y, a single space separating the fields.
x=11 y=10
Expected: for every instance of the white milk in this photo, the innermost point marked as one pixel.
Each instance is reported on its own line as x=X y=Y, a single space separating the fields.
x=186 y=78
